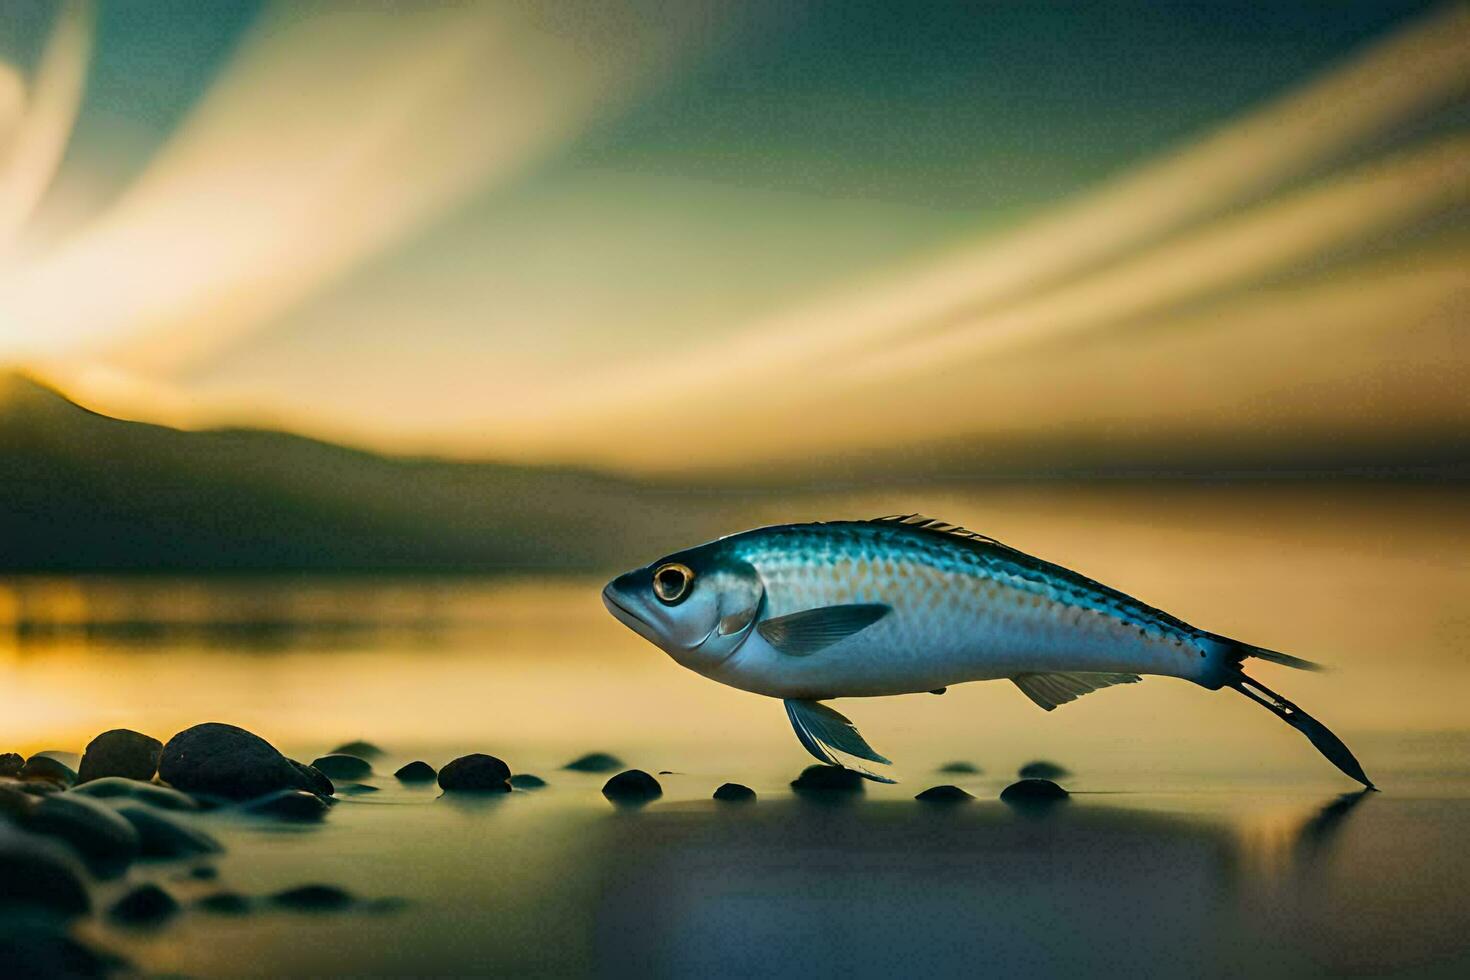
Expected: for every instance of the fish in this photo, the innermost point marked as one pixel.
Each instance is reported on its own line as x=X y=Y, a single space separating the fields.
x=907 y=604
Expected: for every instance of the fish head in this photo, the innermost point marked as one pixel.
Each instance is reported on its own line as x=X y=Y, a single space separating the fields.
x=698 y=606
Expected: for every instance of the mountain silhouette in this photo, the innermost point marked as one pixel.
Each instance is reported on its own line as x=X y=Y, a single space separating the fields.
x=81 y=491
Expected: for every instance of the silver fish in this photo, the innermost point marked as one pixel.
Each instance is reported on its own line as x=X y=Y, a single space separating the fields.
x=906 y=604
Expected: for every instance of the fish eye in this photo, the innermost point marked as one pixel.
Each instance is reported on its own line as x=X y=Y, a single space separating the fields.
x=671 y=582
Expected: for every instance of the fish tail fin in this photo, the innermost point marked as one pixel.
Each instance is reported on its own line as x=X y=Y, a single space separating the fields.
x=1229 y=656
x=1317 y=733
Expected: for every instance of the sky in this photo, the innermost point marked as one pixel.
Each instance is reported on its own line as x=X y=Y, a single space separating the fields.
x=721 y=238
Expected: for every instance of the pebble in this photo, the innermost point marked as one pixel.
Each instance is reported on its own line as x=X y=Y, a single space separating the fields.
x=10 y=763
x=339 y=766
x=313 y=898
x=316 y=780
x=416 y=772
x=15 y=802
x=1033 y=791
x=960 y=768
x=145 y=905
x=120 y=752
x=359 y=748
x=160 y=837
x=289 y=804
x=475 y=773
x=204 y=872
x=632 y=786
x=223 y=760
x=595 y=762
x=38 y=873
x=105 y=840
x=735 y=793
x=224 y=903
x=825 y=781
x=944 y=794
x=524 y=780
x=115 y=787
x=46 y=768
x=356 y=789
x=1043 y=769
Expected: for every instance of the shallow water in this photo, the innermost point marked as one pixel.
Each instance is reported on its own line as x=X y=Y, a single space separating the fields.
x=1203 y=837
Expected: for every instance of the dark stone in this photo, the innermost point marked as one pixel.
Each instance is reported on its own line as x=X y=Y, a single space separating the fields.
x=204 y=872
x=356 y=789
x=827 y=781
x=44 y=949
x=145 y=905
x=960 y=768
x=105 y=840
x=524 y=780
x=1043 y=769
x=416 y=772
x=475 y=773
x=632 y=786
x=944 y=794
x=11 y=763
x=289 y=804
x=38 y=873
x=342 y=767
x=595 y=762
x=1033 y=791
x=316 y=780
x=46 y=768
x=359 y=748
x=313 y=898
x=15 y=802
x=735 y=793
x=120 y=752
x=222 y=760
x=160 y=837
x=118 y=787
x=224 y=903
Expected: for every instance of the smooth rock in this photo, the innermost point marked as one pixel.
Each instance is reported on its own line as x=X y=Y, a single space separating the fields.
x=223 y=760
x=38 y=873
x=356 y=789
x=342 y=767
x=595 y=762
x=1033 y=791
x=11 y=763
x=103 y=838
x=224 y=903
x=944 y=794
x=289 y=804
x=160 y=837
x=475 y=773
x=145 y=905
x=1043 y=769
x=632 y=786
x=316 y=780
x=524 y=780
x=15 y=802
x=359 y=748
x=32 y=949
x=47 y=768
x=827 y=781
x=204 y=872
x=119 y=787
x=313 y=898
x=120 y=752
x=416 y=772
x=960 y=768
x=735 y=793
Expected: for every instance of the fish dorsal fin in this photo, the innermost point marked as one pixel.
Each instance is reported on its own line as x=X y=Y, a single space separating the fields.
x=803 y=633
x=934 y=526
x=1050 y=690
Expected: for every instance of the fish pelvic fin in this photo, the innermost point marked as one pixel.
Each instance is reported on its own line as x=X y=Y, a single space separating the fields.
x=1317 y=733
x=824 y=732
x=1050 y=690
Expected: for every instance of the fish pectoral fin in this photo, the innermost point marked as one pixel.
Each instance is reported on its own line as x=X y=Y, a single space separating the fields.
x=801 y=634
x=1050 y=690
x=824 y=731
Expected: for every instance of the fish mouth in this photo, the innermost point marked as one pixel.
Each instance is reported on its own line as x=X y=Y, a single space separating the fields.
x=625 y=615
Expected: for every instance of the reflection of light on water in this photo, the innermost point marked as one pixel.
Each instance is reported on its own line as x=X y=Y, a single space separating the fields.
x=1266 y=835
